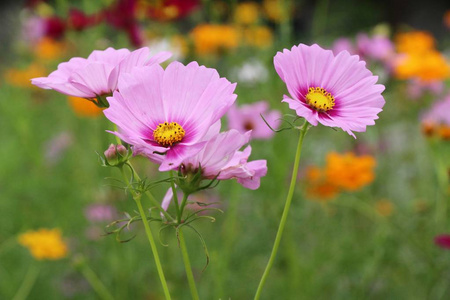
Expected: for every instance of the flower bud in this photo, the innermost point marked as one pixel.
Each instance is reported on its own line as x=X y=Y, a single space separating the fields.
x=116 y=155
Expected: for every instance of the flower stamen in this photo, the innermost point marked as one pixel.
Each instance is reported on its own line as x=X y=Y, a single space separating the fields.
x=319 y=99
x=167 y=134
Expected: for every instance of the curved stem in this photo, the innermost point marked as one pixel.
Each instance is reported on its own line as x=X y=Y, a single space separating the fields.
x=285 y=211
x=95 y=282
x=137 y=199
x=187 y=265
x=28 y=282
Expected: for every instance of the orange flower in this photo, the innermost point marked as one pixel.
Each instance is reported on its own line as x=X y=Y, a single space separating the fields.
x=84 y=108
x=212 y=38
x=447 y=19
x=427 y=66
x=247 y=13
x=272 y=9
x=348 y=171
x=259 y=36
x=384 y=208
x=22 y=78
x=318 y=186
x=48 y=49
x=414 y=42
x=44 y=244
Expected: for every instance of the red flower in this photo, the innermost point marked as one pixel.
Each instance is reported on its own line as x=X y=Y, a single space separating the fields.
x=172 y=9
x=55 y=27
x=443 y=241
x=122 y=15
x=78 y=20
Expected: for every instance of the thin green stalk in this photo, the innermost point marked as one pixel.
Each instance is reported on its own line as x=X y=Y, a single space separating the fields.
x=151 y=240
x=187 y=265
x=94 y=281
x=28 y=282
x=287 y=205
x=175 y=199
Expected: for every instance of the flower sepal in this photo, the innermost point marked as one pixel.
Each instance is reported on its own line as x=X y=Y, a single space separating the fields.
x=189 y=180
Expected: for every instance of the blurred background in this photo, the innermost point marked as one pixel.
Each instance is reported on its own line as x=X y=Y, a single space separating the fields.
x=370 y=216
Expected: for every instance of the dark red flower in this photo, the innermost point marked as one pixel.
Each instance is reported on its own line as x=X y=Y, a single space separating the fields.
x=78 y=20
x=122 y=15
x=443 y=241
x=55 y=27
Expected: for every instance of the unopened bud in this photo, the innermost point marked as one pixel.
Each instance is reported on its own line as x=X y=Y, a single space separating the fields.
x=122 y=150
x=116 y=155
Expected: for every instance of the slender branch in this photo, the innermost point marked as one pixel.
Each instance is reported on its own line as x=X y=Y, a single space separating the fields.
x=287 y=205
x=187 y=265
x=28 y=282
x=94 y=281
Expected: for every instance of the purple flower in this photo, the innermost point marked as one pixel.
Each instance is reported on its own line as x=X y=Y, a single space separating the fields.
x=100 y=213
x=416 y=88
x=438 y=113
x=336 y=91
x=96 y=75
x=379 y=47
x=167 y=114
x=220 y=159
x=248 y=117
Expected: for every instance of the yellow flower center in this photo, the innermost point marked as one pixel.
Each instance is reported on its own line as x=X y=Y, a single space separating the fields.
x=319 y=99
x=167 y=134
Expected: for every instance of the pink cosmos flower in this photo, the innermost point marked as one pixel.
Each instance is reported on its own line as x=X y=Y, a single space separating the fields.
x=100 y=213
x=342 y=44
x=417 y=88
x=97 y=75
x=438 y=113
x=220 y=159
x=336 y=91
x=378 y=47
x=248 y=117
x=168 y=114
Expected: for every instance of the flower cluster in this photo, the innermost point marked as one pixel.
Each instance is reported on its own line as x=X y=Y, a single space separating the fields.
x=44 y=244
x=343 y=172
x=436 y=121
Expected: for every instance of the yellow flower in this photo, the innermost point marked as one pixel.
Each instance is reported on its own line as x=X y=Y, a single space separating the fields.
x=384 y=208
x=348 y=171
x=259 y=36
x=44 y=244
x=49 y=49
x=272 y=9
x=414 y=42
x=84 y=108
x=22 y=78
x=427 y=66
x=212 y=39
x=246 y=13
x=318 y=187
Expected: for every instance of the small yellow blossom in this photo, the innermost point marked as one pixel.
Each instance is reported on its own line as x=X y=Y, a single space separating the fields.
x=350 y=172
x=384 y=208
x=22 y=78
x=259 y=36
x=247 y=13
x=84 y=108
x=273 y=10
x=212 y=38
x=44 y=244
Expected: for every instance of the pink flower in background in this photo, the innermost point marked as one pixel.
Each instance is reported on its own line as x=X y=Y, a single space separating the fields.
x=443 y=241
x=220 y=158
x=343 y=44
x=336 y=91
x=33 y=29
x=378 y=47
x=167 y=115
x=248 y=117
x=56 y=146
x=417 y=88
x=97 y=75
x=100 y=213
x=439 y=113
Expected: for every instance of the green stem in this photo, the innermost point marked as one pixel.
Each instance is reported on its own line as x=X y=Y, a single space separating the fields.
x=28 y=282
x=175 y=199
x=94 y=281
x=187 y=265
x=137 y=199
x=287 y=205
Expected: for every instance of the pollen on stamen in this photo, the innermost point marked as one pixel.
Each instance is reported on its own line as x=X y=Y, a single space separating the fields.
x=167 y=134
x=320 y=99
